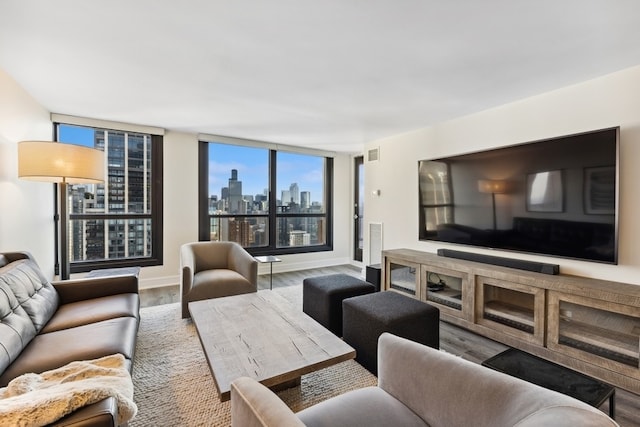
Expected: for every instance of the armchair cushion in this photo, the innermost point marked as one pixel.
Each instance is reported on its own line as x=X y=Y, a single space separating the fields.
x=366 y=407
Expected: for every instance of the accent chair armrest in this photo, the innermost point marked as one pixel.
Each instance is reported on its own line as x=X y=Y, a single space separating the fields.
x=254 y=405
x=241 y=261
x=187 y=268
x=95 y=287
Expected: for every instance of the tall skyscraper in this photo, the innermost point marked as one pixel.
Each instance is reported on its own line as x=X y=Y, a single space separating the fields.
x=236 y=202
x=305 y=199
x=127 y=189
x=295 y=193
x=286 y=197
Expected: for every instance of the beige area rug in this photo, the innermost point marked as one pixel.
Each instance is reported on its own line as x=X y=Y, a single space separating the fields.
x=173 y=384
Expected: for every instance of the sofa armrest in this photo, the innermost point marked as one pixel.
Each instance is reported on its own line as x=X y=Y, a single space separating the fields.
x=254 y=405
x=100 y=414
x=15 y=256
x=95 y=287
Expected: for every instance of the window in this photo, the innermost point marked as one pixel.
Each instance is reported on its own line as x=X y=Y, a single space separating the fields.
x=267 y=200
x=117 y=223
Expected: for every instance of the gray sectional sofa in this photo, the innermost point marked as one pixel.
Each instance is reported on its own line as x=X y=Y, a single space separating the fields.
x=421 y=386
x=46 y=325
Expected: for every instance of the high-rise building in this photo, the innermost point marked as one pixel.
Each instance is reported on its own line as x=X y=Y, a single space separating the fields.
x=286 y=197
x=236 y=202
x=299 y=238
x=240 y=232
x=213 y=203
x=305 y=199
x=126 y=190
x=294 y=190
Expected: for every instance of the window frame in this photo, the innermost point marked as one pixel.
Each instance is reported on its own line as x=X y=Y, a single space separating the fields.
x=423 y=233
x=156 y=214
x=204 y=218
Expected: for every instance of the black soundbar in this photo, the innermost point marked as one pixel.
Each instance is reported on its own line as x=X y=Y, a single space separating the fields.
x=538 y=267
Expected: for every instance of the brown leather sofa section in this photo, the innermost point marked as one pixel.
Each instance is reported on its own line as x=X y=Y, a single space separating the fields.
x=46 y=325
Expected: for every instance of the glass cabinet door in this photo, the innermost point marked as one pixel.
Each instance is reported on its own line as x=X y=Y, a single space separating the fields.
x=445 y=288
x=403 y=277
x=595 y=331
x=512 y=308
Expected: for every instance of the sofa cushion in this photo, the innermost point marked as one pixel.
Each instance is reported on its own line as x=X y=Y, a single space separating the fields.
x=16 y=327
x=93 y=310
x=87 y=342
x=370 y=406
x=32 y=290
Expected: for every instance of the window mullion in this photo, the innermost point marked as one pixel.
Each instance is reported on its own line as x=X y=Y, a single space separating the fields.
x=105 y=223
x=272 y=200
x=125 y=225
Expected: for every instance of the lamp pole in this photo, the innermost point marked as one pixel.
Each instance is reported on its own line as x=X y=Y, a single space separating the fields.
x=64 y=231
x=493 y=200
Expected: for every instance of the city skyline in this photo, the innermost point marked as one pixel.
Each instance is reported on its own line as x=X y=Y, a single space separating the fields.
x=300 y=180
x=252 y=165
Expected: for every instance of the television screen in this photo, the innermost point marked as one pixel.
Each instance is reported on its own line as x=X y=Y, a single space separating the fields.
x=556 y=197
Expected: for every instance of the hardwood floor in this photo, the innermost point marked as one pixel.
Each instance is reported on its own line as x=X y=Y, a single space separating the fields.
x=453 y=339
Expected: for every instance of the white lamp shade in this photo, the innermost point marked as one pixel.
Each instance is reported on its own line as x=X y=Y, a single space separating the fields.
x=60 y=162
x=492 y=186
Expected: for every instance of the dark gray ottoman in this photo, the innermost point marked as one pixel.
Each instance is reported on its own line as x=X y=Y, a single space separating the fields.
x=366 y=317
x=322 y=297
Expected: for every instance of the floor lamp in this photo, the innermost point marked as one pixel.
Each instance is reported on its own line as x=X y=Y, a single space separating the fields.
x=494 y=187
x=63 y=164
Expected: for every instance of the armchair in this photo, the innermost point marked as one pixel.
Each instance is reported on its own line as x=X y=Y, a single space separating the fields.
x=213 y=270
x=420 y=386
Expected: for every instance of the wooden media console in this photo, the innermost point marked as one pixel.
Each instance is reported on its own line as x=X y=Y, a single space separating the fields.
x=589 y=325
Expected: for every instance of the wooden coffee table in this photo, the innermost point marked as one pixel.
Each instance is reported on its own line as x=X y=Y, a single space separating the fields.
x=263 y=336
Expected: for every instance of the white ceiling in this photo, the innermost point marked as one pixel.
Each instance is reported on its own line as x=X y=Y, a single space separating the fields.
x=330 y=74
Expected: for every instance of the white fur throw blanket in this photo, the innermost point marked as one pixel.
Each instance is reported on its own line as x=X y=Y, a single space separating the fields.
x=40 y=399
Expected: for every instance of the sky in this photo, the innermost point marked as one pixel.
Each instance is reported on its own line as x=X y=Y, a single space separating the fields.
x=75 y=135
x=252 y=165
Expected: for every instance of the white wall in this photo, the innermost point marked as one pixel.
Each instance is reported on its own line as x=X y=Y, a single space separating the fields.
x=26 y=207
x=608 y=101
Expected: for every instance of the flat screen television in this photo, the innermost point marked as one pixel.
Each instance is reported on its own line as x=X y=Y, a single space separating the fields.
x=557 y=197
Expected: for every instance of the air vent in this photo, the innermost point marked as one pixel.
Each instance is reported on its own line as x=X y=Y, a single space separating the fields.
x=373 y=155
x=375 y=242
